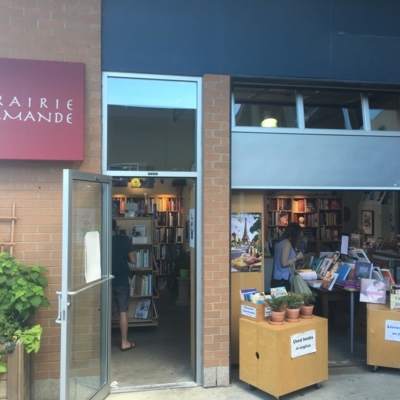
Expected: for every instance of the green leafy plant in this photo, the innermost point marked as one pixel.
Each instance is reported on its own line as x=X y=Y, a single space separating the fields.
x=276 y=303
x=22 y=291
x=293 y=300
x=309 y=298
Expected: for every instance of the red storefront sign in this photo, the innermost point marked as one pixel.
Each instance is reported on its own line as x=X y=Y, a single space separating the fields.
x=41 y=110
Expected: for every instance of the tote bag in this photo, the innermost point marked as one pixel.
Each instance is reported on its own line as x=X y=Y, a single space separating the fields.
x=298 y=285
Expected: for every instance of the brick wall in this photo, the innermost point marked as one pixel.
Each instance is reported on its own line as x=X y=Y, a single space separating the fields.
x=216 y=213
x=58 y=30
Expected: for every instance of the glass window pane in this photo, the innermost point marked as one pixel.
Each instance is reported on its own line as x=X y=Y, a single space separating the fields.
x=151 y=124
x=384 y=111
x=156 y=139
x=151 y=93
x=265 y=106
x=332 y=110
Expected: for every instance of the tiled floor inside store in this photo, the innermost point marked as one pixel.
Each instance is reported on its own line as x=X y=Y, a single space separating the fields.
x=162 y=353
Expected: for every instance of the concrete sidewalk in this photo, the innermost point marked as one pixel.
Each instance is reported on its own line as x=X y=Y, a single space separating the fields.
x=353 y=383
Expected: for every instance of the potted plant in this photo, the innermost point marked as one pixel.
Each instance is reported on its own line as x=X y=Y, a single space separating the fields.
x=179 y=183
x=293 y=303
x=22 y=291
x=277 y=311
x=306 y=309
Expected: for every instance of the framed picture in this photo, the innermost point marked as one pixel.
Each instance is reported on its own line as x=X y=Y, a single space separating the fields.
x=367 y=222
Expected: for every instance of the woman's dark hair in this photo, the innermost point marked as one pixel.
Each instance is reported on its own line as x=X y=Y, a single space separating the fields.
x=292 y=233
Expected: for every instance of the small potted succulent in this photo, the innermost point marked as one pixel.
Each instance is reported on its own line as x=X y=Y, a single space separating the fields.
x=307 y=308
x=293 y=303
x=277 y=311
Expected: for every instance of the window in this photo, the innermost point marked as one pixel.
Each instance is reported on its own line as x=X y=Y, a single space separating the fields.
x=151 y=124
x=384 y=111
x=266 y=106
x=263 y=106
x=332 y=110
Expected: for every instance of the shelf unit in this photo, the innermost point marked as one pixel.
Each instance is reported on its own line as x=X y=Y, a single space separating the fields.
x=321 y=218
x=168 y=235
x=142 y=274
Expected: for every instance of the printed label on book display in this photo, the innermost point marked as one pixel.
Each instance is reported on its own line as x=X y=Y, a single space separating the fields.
x=248 y=311
x=267 y=311
x=303 y=343
x=392 y=330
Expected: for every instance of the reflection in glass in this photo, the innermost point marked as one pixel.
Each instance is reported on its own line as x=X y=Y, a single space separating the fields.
x=384 y=111
x=87 y=372
x=156 y=139
x=332 y=110
x=264 y=106
x=151 y=123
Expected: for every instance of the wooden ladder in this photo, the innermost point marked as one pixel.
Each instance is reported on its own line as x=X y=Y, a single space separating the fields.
x=11 y=243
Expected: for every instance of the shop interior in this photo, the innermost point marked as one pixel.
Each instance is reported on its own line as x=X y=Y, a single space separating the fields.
x=347 y=217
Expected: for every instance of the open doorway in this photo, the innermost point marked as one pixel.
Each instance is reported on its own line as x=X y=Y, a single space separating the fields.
x=155 y=214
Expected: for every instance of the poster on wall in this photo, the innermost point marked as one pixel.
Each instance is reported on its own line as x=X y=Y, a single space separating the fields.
x=246 y=242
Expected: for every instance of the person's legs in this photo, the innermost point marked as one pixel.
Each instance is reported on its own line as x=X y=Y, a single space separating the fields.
x=121 y=295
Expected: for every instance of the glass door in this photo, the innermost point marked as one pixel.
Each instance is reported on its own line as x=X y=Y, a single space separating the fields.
x=85 y=300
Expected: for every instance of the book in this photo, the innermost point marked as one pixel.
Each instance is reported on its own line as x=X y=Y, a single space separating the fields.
x=380 y=197
x=283 y=219
x=343 y=271
x=138 y=230
x=278 y=291
x=326 y=263
x=373 y=291
x=142 y=308
x=316 y=262
x=350 y=283
x=315 y=283
x=376 y=273
x=306 y=261
x=387 y=275
x=307 y=274
x=245 y=292
x=362 y=270
x=329 y=281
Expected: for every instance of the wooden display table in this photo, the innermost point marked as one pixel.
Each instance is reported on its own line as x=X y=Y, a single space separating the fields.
x=265 y=355
x=381 y=350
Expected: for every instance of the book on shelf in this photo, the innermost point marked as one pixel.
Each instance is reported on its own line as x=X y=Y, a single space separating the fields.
x=373 y=291
x=142 y=308
x=278 y=291
x=388 y=276
x=283 y=219
x=328 y=281
x=362 y=270
x=138 y=230
x=315 y=283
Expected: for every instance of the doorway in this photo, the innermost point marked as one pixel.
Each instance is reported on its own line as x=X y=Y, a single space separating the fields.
x=164 y=354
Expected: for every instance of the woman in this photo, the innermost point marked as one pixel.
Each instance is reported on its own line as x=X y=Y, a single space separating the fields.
x=285 y=255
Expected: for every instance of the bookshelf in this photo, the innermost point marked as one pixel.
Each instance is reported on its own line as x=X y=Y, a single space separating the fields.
x=321 y=218
x=142 y=274
x=168 y=235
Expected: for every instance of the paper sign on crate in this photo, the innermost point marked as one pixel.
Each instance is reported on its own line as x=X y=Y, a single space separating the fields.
x=395 y=302
x=303 y=343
